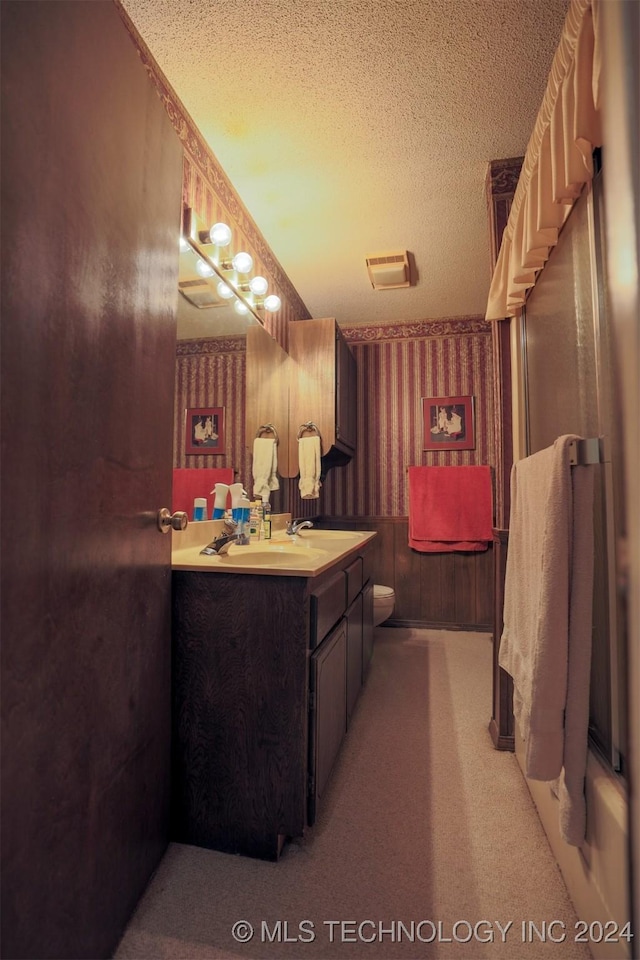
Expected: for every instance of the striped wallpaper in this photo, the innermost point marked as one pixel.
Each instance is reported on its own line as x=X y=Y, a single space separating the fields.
x=397 y=365
x=211 y=373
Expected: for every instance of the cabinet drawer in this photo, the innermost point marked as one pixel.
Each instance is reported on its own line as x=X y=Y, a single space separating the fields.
x=328 y=603
x=354 y=579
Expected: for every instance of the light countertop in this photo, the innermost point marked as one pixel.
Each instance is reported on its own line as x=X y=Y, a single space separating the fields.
x=307 y=554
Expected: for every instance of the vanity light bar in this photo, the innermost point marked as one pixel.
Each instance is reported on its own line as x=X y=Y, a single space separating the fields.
x=220 y=280
x=250 y=292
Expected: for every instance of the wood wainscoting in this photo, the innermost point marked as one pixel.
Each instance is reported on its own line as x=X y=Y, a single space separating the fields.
x=448 y=590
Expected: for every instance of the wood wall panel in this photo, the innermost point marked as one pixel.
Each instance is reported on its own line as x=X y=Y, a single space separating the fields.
x=485 y=587
x=406 y=575
x=464 y=577
x=432 y=585
x=447 y=562
x=453 y=590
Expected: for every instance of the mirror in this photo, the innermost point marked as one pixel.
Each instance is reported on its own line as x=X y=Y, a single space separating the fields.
x=202 y=314
x=218 y=320
x=219 y=293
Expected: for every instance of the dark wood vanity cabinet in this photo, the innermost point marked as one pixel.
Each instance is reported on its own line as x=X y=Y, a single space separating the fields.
x=266 y=674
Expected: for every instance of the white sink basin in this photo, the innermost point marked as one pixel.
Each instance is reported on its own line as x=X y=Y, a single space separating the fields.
x=272 y=555
x=318 y=535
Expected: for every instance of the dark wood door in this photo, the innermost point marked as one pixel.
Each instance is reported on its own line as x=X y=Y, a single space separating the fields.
x=91 y=192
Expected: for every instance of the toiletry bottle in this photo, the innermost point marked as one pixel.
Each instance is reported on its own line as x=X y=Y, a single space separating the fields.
x=244 y=510
x=266 y=519
x=237 y=494
x=220 y=492
x=254 y=521
x=200 y=508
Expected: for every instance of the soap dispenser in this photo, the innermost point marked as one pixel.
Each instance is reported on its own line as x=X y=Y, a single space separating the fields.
x=220 y=492
x=200 y=508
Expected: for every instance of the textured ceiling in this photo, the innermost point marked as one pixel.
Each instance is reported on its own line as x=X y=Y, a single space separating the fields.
x=355 y=127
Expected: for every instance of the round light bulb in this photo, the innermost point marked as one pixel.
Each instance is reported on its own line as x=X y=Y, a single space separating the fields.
x=220 y=234
x=204 y=269
x=224 y=291
x=242 y=262
x=240 y=307
x=258 y=286
x=272 y=303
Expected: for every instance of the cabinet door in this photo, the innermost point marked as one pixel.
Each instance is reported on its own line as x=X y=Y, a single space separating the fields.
x=354 y=653
x=328 y=711
x=367 y=628
x=346 y=394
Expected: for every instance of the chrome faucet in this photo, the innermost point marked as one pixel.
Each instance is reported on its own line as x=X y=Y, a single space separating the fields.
x=230 y=534
x=294 y=526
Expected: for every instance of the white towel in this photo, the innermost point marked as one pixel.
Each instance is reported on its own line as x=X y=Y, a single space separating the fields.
x=309 y=462
x=265 y=467
x=546 y=641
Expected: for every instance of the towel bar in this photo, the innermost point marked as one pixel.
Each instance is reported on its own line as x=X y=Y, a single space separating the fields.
x=309 y=425
x=268 y=427
x=584 y=452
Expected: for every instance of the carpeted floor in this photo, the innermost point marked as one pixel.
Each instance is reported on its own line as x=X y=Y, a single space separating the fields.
x=428 y=846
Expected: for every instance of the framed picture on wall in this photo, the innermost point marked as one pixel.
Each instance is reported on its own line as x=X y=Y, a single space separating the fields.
x=447 y=423
x=204 y=430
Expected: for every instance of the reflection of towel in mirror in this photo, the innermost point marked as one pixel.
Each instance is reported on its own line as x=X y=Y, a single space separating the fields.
x=265 y=467
x=309 y=461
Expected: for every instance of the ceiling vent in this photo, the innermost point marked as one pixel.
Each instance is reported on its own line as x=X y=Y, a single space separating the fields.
x=199 y=293
x=389 y=271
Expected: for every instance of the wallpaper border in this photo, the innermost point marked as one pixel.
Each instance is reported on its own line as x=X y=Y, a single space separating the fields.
x=209 y=345
x=416 y=329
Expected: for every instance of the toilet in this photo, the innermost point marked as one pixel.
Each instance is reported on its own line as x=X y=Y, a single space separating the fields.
x=384 y=599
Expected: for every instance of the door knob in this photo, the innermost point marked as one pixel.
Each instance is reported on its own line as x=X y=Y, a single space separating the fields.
x=172 y=521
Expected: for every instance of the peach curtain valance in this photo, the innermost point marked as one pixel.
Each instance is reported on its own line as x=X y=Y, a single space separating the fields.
x=557 y=164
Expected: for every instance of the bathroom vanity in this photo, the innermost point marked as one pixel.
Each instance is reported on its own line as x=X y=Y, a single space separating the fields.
x=270 y=650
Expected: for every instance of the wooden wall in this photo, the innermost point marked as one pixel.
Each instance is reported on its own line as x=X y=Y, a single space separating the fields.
x=447 y=590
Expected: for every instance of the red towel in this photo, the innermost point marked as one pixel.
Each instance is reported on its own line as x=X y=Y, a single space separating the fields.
x=450 y=508
x=195 y=482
